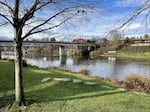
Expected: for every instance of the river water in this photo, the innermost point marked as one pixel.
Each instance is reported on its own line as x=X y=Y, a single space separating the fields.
x=104 y=67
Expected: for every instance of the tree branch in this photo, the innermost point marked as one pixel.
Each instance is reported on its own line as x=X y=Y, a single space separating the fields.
x=135 y=14
x=5 y=4
x=4 y=23
x=29 y=14
x=44 y=4
x=16 y=10
x=31 y=32
x=45 y=22
x=7 y=19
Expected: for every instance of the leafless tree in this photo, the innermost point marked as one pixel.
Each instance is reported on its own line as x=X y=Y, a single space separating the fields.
x=115 y=35
x=29 y=17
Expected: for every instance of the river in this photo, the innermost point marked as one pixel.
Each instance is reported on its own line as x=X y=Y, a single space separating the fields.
x=104 y=67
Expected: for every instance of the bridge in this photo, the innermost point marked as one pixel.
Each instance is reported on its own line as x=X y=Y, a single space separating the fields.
x=62 y=45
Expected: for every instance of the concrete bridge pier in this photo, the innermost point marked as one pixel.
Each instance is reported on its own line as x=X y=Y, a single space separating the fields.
x=62 y=51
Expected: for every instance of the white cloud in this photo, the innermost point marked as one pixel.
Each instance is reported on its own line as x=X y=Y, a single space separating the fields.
x=135 y=26
x=6 y=31
x=135 y=35
x=129 y=3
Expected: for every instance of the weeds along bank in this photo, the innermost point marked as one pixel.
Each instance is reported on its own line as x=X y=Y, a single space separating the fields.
x=137 y=83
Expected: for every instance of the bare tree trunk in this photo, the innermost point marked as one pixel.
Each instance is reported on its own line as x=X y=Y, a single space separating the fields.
x=19 y=90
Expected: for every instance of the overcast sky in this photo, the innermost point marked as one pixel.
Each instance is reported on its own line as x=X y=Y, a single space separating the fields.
x=112 y=14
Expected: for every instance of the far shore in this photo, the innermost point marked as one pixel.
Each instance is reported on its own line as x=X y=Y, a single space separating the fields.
x=129 y=55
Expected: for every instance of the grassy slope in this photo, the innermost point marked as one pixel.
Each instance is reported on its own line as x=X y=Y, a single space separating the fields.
x=134 y=55
x=56 y=96
x=129 y=55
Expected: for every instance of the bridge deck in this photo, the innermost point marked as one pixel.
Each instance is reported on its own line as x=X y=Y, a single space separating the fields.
x=45 y=43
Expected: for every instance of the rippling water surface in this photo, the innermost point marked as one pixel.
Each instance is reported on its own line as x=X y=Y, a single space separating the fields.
x=110 y=67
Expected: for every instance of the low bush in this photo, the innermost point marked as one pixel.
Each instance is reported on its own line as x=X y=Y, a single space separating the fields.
x=24 y=62
x=11 y=60
x=138 y=83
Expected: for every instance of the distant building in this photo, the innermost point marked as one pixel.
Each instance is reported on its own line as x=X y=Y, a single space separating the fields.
x=79 y=40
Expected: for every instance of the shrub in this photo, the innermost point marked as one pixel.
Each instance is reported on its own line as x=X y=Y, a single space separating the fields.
x=24 y=62
x=11 y=60
x=138 y=83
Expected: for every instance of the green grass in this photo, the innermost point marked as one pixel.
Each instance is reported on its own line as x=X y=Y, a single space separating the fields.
x=129 y=55
x=56 y=96
x=134 y=55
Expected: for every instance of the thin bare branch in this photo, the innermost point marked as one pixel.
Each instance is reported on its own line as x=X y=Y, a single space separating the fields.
x=136 y=13
x=29 y=14
x=31 y=32
x=4 y=23
x=44 y=4
x=6 y=18
x=6 y=5
x=45 y=22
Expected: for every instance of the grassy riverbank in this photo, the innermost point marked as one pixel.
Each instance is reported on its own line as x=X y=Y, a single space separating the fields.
x=129 y=55
x=57 y=96
x=134 y=55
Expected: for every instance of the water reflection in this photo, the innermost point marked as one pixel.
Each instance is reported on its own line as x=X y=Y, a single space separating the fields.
x=62 y=60
x=110 y=67
x=7 y=55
